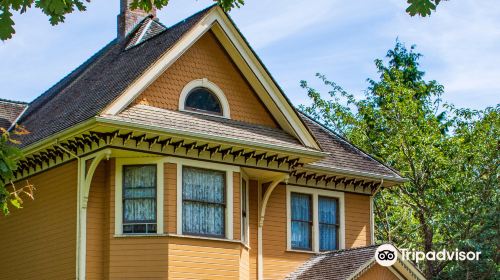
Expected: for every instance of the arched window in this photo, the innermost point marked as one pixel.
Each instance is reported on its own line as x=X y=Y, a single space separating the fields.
x=204 y=97
x=204 y=101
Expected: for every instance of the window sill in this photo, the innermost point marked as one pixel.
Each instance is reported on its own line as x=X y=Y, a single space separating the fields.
x=301 y=251
x=140 y=235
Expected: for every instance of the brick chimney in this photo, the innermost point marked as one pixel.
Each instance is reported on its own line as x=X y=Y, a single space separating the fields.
x=128 y=18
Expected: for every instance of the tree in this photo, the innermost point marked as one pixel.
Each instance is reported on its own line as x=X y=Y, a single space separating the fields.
x=56 y=10
x=9 y=157
x=450 y=156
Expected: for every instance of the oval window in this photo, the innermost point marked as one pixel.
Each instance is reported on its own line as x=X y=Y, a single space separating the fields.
x=204 y=101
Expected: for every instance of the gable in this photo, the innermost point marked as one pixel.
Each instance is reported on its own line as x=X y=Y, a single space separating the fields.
x=207 y=59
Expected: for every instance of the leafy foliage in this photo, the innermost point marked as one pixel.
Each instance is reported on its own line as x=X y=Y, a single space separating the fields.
x=449 y=155
x=9 y=156
x=57 y=10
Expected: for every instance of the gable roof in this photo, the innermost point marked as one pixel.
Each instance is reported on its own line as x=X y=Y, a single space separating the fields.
x=337 y=265
x=10 y=111
x=107 y=83
x=349 y=264
x=86 y=91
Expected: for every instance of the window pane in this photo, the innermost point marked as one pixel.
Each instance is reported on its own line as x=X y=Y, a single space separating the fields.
x=203 y=209
x=301 y=224
x=328 y=224
x=203 y=185
x=139 y=197
x=204 y=100
x=301 y=235
x=327 y=237
x=203 y=219
x=301 y=207
x=327 y=210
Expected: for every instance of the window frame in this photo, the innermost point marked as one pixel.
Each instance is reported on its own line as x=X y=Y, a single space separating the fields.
x=119 y=211
x=212 y=87
x=223 y=204
x=229 y=169
x=201 y=111
x=315 y=208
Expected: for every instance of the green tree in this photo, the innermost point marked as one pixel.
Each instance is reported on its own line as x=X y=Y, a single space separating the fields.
x=56 y=10
x=10 y=195
x=450 y=157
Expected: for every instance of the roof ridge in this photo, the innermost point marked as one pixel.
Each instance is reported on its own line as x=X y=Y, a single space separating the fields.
x=349 y=143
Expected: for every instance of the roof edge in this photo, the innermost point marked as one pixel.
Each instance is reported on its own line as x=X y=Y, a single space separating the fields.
x=353 y=145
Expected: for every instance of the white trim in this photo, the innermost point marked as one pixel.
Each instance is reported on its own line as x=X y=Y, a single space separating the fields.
x=315 y=231
x=245 y=226
x=372 y=222
x=260 y=257
x=204 y=83
x=120 y=162
x=268 y=91
x=229 y=169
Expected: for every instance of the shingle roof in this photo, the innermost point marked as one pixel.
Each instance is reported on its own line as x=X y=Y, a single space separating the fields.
x=10 y=111
x=342 y=154
x=90 y=88
x=337 y=265
x=208 y=126
x=86 y=91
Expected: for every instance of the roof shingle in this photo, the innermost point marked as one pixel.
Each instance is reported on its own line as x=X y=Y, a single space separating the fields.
x=10 y=111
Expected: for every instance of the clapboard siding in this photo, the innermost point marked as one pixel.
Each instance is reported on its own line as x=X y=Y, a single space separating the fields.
x=40 y=239
x=357 y=220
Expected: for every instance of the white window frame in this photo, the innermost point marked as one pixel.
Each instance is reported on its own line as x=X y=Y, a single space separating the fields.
x=315 y=193
x=228 y=169
x=120 y=162
x=204 y=83
x=245 y=226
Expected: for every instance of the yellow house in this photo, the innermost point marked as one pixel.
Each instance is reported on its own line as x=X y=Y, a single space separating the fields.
x=173 y=154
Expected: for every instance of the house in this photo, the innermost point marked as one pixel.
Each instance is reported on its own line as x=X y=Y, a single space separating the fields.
x=173 y=154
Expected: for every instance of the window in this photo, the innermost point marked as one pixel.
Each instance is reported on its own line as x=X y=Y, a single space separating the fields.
x=328 y=223
x=315 y=219
x=139 y=199
x=244 y=212
x=203 y=100
x=204 y=97
x=302 y=221
x=203 y=202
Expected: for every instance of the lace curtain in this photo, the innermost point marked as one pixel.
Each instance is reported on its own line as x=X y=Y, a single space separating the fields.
x=139 y=194
x=203 y=205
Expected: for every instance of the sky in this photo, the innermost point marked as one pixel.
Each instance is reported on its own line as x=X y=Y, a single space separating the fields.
x=294 y=39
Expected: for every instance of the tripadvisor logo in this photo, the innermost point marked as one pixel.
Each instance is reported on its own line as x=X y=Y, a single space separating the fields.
x=387 y=255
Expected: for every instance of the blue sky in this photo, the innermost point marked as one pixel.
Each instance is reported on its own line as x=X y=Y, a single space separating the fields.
x=295 y=39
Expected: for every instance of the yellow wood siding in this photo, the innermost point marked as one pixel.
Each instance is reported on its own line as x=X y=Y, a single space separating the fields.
x=357 y=220
x=39 y=241
x=96 y=224
x=278 y=262
x=378 y=272
x=236 y=207
x=207 y=59
x=170 y=208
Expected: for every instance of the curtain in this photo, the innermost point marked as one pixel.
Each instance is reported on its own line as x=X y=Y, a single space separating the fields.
x=328 y=224
x=203 y=206
x=301 y=223
x=139 y=194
